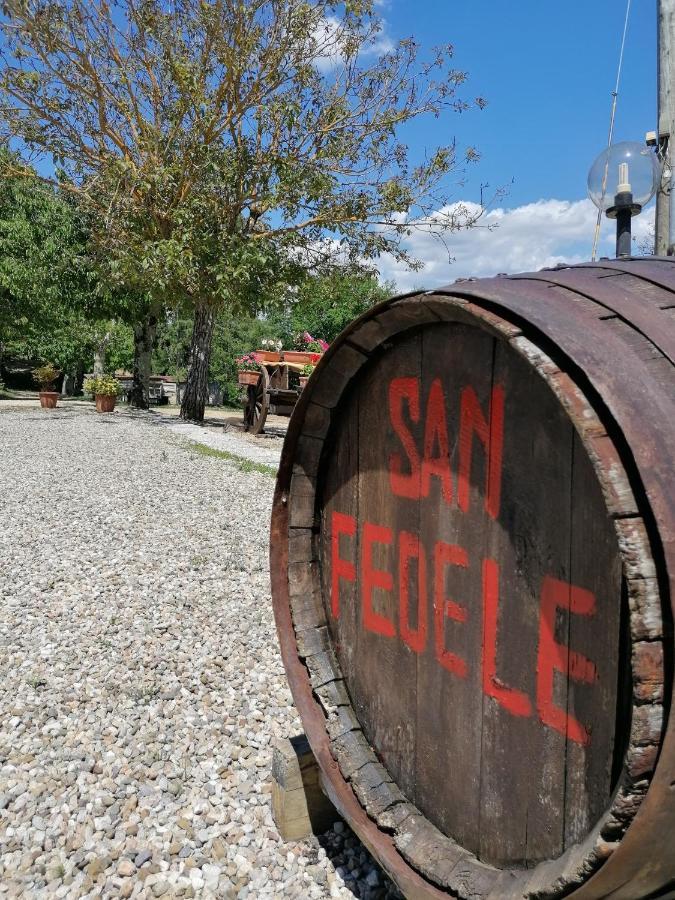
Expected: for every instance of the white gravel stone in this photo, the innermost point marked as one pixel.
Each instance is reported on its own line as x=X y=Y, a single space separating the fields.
x=141 y=685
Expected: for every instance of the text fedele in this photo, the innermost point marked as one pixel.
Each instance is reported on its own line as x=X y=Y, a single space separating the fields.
x=411 y=469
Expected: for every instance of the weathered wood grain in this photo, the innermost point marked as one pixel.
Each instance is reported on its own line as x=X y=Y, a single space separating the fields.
x=594 y=563
x=344 y=364
x=450 y=696
x=532 y=545
x=299 y=806
x=381 y=659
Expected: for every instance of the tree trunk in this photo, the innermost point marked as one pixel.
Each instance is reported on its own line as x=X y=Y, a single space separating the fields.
x=197 y=387
x=100 y=355
x=144 y=339
x=79 y=380
x=99 y=361
x=67 y=385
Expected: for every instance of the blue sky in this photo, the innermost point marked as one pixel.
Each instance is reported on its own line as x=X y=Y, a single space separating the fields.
x=547 y=71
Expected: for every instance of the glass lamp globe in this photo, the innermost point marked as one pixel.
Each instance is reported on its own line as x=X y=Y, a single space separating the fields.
x=627 y=167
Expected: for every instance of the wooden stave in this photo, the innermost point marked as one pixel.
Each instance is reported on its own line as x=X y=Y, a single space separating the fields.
x=406 y=313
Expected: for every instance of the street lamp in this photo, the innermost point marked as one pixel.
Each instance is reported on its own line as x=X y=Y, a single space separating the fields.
x=620 y=182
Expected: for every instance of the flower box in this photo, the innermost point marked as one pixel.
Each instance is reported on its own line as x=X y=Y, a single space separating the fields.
x=301 y=356
x=248 y=377
x=267 y=356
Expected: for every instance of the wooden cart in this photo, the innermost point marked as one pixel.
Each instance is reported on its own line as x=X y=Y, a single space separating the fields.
x=270 y=392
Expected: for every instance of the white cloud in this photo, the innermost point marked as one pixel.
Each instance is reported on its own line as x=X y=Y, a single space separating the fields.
x=328 y=37
x=522 y=239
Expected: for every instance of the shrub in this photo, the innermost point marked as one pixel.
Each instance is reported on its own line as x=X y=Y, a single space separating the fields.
x=102 y=385
x=46 y=376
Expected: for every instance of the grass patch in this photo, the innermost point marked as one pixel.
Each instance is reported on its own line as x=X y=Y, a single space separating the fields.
x=143 y=693
x=198 y=561
x=243 y=464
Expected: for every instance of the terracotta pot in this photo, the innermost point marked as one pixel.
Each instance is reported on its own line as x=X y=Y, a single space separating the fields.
x=303 y=379
x=105 y=402
x=299 y=356
x=248 y=377
x=268 y=356
x=48 y=399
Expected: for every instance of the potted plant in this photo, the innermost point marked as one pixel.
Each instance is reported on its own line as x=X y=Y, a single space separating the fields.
x=46 y=377
x=271 y=351
x=248 y=368
x=104 y=389
x=308 y=349
x=304 y=374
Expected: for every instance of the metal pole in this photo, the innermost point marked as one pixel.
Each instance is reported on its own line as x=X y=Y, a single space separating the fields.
x=623 y=232
x=665 y=224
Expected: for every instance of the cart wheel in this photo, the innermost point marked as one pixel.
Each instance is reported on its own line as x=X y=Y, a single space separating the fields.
x=258 y=404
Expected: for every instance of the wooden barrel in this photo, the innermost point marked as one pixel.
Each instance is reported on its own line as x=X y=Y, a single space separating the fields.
x=473 y=564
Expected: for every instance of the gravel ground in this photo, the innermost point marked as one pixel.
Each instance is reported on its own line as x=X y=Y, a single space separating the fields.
x=263 y=449
x=140 y=682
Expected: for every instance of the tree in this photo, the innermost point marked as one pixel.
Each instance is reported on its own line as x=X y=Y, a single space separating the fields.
x=39 y=238
x=324 y=305
x=646 y=245
x=43 y=276
x=215 y=143
x=52 y=306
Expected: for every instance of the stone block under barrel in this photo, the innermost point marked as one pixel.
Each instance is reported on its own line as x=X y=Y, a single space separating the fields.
x=473 y=567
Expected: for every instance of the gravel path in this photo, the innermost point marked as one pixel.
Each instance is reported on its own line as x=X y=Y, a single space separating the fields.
x=140 y=682
x=256 y=449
